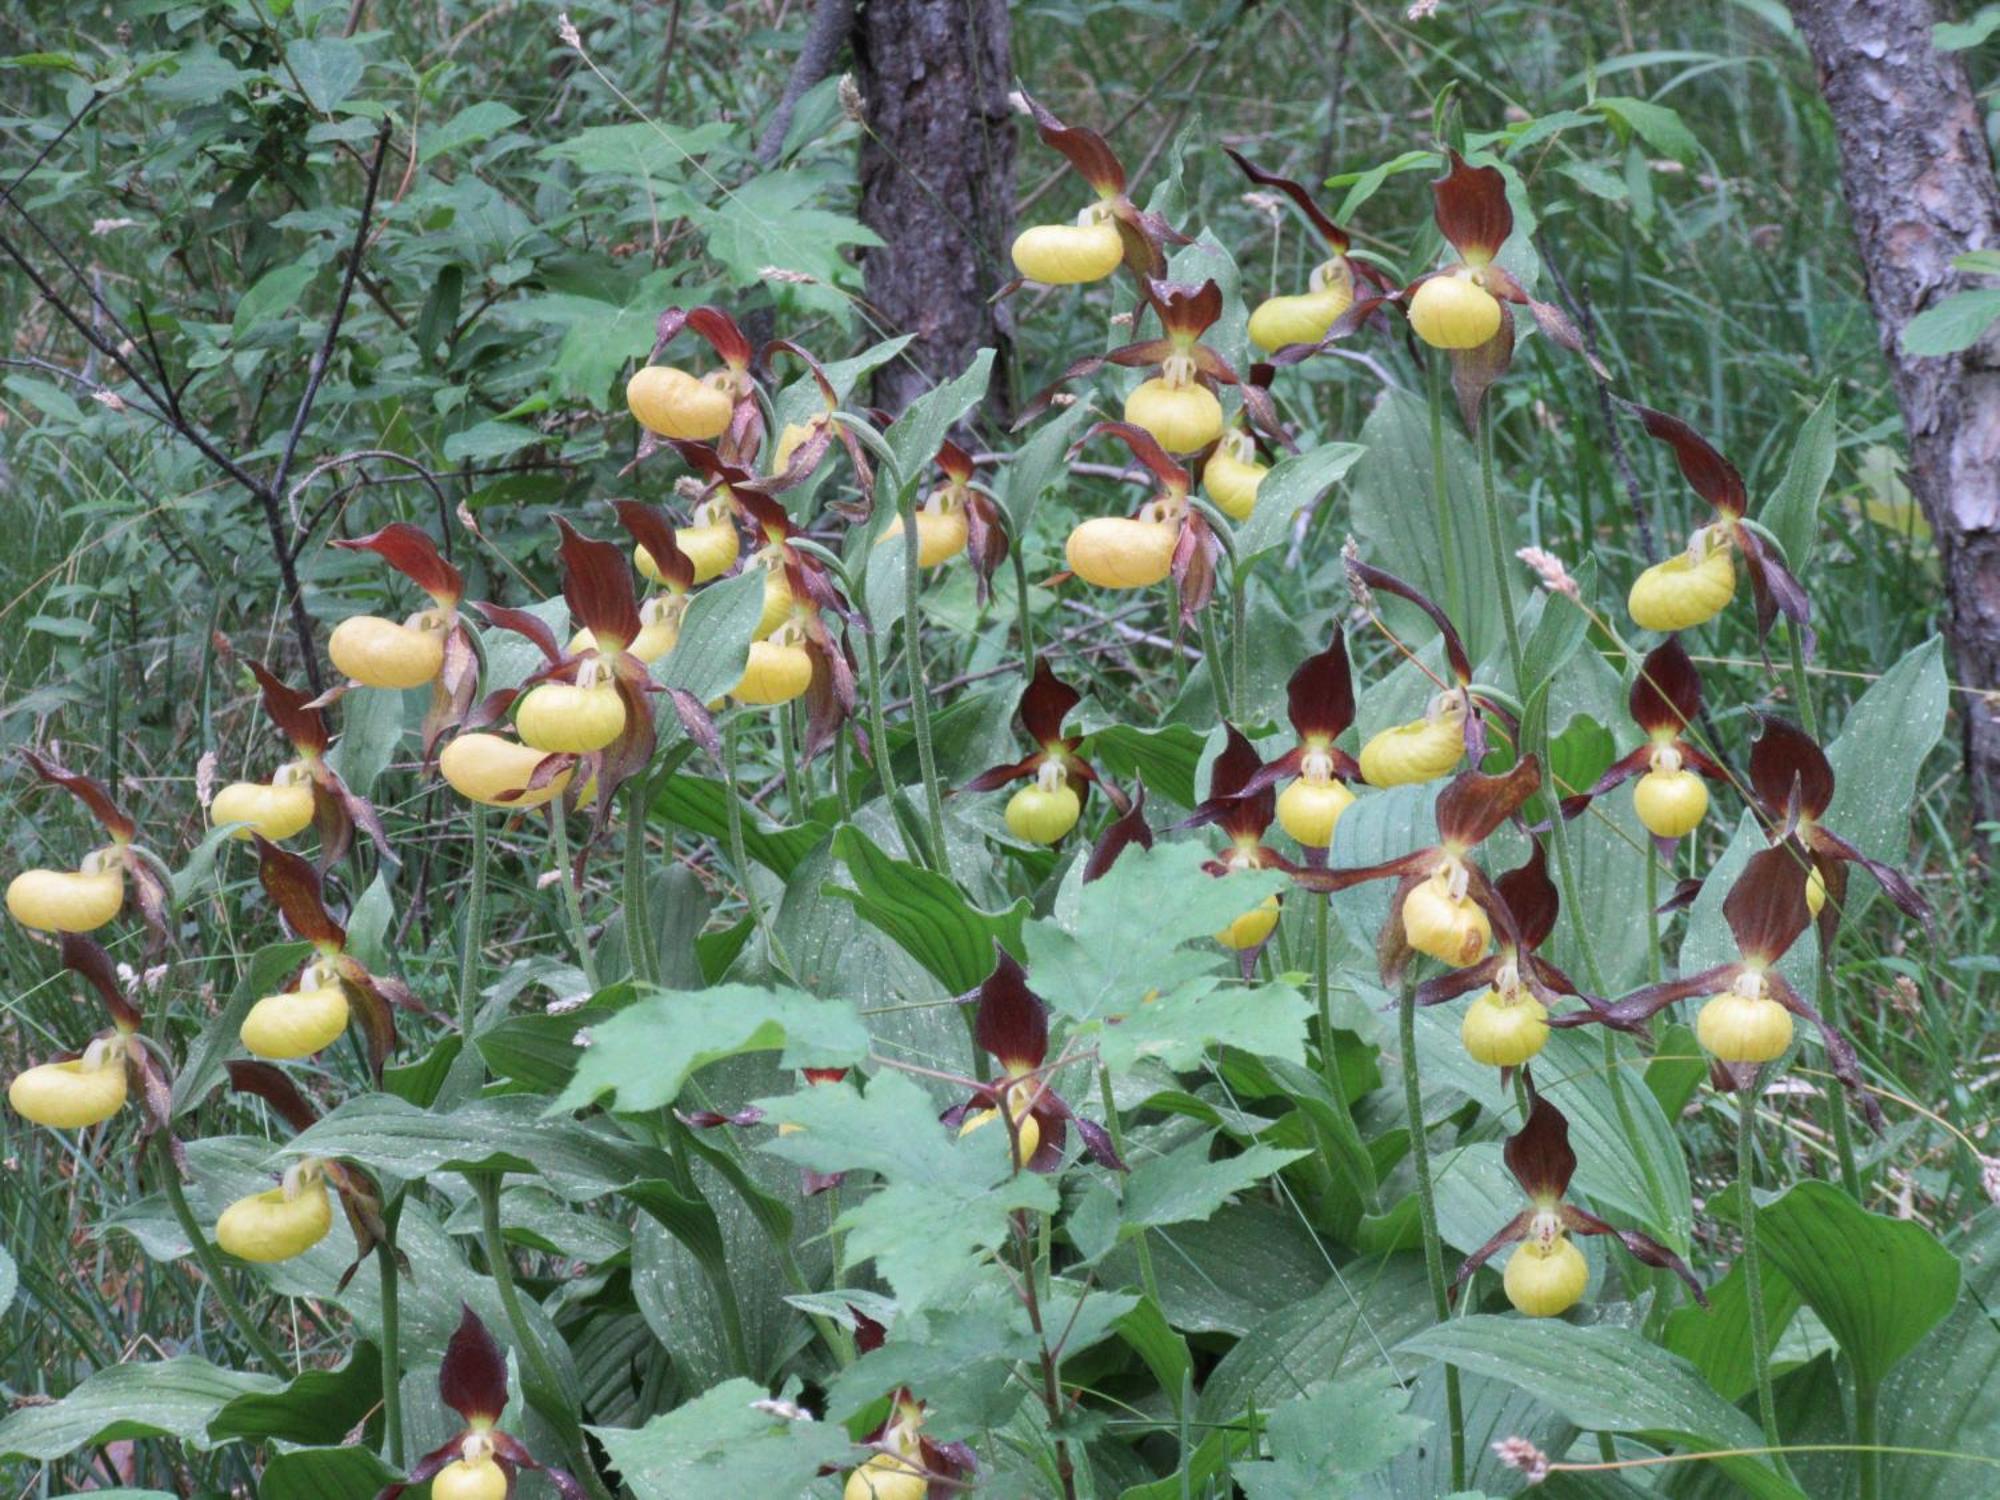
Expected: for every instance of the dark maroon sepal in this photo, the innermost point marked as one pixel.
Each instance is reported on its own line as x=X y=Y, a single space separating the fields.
x=730 y=343
x=1045 y=702
x=597 y=582
x=1453 y=983
x=410 y=551
x=291 y=711
x=1085 y=149
x=472 y=1381
x=1146 y=448
x=651 y=529
x=1475 y=804
x=1633 y=1011
x=1666 y=698
x=1320 y=694
x=1332 y=233
x=1375 y=578
x=294 y=888
x=1840 y=1056
x=1012 y=1022
x=869 y=1335
x=85 y=957
x=1127 y=830
x=1472 y=209
x=533 y=627
x=1766 y=908
x=1185 y=310
x=275 y=1087
x=1712 y=476
x=1531 y=896
x=1539 y=1154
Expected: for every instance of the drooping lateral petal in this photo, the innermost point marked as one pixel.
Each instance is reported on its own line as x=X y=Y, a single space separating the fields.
x=1515 y=1231
x=1531 y=896
x=650 y=527
x=1616 y=774
x=1012 y=1022
x=275 y=1087
x=372 y=1002
x=1775 y=591
x=1474 y=804
x=472 y=1381
x=1666 y=697
x=1643 y=1247
x=1085 y=149
x=1475 y=371
x=1897 y=886
x=1840 y=1056
x=1539 y=1153
x=1712 y=476
x=986 y=543
x=289 y=709
x=453 y=689
x=425 y=1468
x=1766 y=908
x=353 y=811
x=1335 y=237
x=1370 y=577
x=410 y=551
x=1196 y=553
x=1320 y=694
x=1124 y=832
x=1414 y=864
x=1284 y=768
x=1453 y=983
x=1633 y=1011
x=1472 y=210
x=597 y=582
x=1045 y=702
x=994 y=777
x=294 y=888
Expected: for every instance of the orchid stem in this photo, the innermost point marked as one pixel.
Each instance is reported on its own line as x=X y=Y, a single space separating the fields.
x=1147 y=1280
x=572 y=898
x=392 y=1334
x=1753 y=1284
x=884 y=769
x=1211 y=650
x=1329 y=1055
x=211 y=1263
x=739 y=850
x=1026 y=619
x=920 y=703
x=1420 y=1157
x=1434 y=362
x=549 y=1399
x=638 y=909
x=1239 y=638
x=475 y=931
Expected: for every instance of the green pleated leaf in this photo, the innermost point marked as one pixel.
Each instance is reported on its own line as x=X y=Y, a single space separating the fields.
x=1037 y=465
x=925 y=913
x=1945 y=1394
x=331 y=1473
x=1716 y=1339
x=702 y=806
x=645 y=1053
x=175 y=1398
x=318 y=1406
x=1879 y=1284
x=1792 y=512
x=1294 y=482
x=1607 y=1379
x=714 y=643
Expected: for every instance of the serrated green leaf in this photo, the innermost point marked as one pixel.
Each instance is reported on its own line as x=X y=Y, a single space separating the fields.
x=722 y=1443
x=646 y=1053
x=1953 y=325
x=1185 y=1184
x=1324 y=1445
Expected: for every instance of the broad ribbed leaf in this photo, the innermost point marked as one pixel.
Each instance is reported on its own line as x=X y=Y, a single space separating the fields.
x=925 y=913
x=1294 y=482
x=714 y=643
x=176 y=1398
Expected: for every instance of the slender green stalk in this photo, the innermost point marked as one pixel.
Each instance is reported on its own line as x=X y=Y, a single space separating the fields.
x=1211 y=651
x=1753 y=1284
x=1420 y=1157
x=1654 y=968
x=1147 y=1281
x=790 y=756
x=1867 y=1440
x=1239 y=638
x=211 y=1263
x=572 y=898
x=1454 y=603
x=913 y=660
x=739 y=850
x=884 y=771
x=1023 y=616
x=392 y=1335
x=548 y=1399
x=638 y=909
x=475 y=928
x=1329 y=1056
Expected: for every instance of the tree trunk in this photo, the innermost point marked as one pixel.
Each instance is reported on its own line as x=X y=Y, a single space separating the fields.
x=937 y=183
x=1920 y=187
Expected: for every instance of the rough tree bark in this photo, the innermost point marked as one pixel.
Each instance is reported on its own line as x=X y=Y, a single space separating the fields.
x=937 y=182
x=1920 y=187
